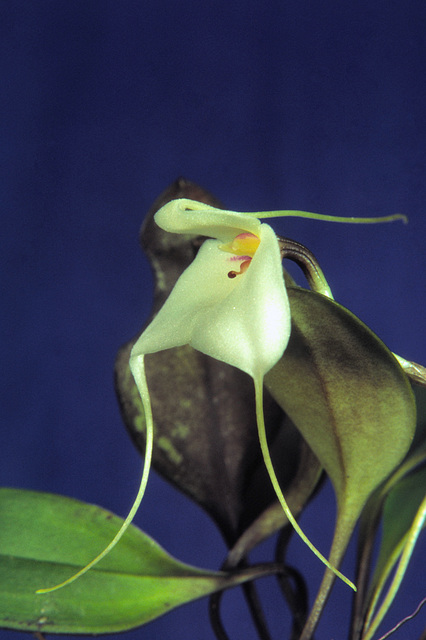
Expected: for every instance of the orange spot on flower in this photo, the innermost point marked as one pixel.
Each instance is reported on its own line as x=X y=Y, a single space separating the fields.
x=242 y=245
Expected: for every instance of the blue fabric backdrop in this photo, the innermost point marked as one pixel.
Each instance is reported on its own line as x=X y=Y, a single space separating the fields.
x=275 y=104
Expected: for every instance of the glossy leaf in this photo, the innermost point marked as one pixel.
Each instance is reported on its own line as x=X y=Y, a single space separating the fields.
x=351 y=401
x=45 y=537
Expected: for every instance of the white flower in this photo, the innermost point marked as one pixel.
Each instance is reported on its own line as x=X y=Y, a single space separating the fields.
x=231 y=302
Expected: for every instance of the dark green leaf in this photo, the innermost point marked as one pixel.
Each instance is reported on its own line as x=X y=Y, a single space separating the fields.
x=400 y=508
x=395 y=527
x=346 y=393
x=351 y=401
x=45 y=537
x=403 y=520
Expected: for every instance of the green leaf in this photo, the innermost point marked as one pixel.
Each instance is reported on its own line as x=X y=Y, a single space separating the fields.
x=45 y=537
x=397 y=523
x=346 y=393
x=351 y=401
x=400 y=509
x=419 y=442
x=403 y=507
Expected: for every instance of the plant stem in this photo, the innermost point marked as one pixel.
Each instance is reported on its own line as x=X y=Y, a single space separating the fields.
x=342 y=534
x=306 y=260
x=297 y=596
x=214 y=615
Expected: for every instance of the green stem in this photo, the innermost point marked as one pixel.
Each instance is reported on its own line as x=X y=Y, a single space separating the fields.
x=342 y=535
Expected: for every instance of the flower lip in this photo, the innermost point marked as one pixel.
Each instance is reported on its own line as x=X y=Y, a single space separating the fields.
x=243 y=321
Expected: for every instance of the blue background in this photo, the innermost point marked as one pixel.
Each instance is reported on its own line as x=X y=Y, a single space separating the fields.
x=276 y=104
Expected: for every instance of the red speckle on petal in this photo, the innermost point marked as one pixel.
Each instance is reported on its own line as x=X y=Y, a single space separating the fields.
x=243 y=268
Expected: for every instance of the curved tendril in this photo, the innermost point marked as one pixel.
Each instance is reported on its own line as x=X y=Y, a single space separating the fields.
x=258 y=386
x=326 y=218
x=143 y=390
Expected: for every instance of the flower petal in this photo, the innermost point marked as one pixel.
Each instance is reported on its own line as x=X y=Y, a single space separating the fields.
x=244 y=321
x=189 y=216
x=201 y=286
x=251 y=327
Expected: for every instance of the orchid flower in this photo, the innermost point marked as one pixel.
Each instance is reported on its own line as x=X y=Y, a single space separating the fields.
x=231 y=304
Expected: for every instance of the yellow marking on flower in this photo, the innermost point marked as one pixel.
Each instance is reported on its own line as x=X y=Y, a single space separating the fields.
x=243 y=247
x=245 y=244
